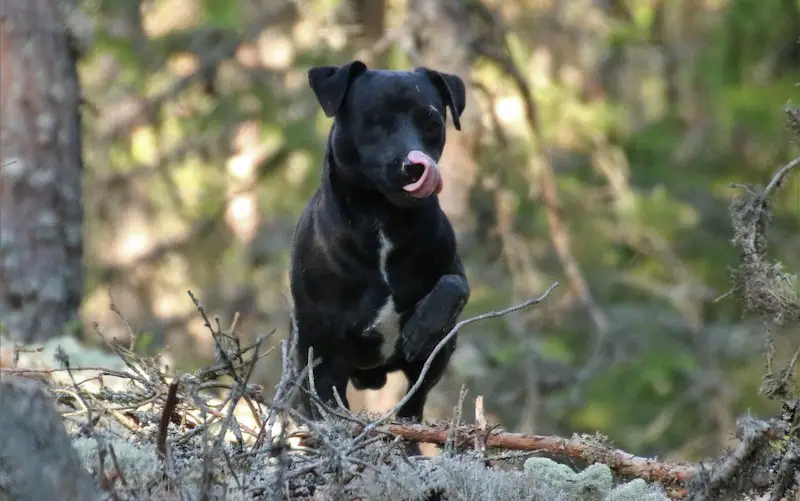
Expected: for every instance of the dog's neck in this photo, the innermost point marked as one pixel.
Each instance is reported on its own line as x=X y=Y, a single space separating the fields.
x=361 y=205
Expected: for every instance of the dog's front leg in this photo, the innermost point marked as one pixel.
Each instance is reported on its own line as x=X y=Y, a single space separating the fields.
x=327 y=376
x=434 y=316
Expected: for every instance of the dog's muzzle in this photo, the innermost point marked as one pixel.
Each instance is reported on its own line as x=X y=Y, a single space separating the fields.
x=430 y=179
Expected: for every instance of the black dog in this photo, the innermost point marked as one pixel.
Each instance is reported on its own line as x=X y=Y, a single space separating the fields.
x=375 y=274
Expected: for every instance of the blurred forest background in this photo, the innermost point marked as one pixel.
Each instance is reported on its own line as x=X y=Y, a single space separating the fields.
x=599 y=144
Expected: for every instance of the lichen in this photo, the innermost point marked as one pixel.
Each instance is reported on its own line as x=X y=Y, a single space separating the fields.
x=595 y=483
x=591 y=484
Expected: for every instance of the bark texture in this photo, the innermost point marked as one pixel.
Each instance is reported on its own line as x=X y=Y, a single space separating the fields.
x=37 y=461
x=41 y=210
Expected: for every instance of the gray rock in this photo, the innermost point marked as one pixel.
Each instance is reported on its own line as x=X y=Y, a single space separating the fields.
x=37 y=461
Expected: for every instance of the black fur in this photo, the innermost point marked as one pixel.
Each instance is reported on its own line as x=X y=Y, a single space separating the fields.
x=337 y=283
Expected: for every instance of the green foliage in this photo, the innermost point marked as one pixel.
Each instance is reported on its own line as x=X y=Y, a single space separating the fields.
x=144 y=343
x=222 y=13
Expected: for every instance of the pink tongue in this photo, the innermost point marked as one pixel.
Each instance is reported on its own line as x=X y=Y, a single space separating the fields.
x=431 y=180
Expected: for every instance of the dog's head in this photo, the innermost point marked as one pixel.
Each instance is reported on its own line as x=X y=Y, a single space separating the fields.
x=389 y=126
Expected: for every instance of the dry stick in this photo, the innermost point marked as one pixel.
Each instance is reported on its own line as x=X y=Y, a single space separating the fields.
x=481 y=425
x=779 y=176
x=287 y=348
x=166 y=415
x=426 y=367
x=231 y=469
x=115 y=309
x=207 y=474
x=238 y=390
x=455 y=423
x=104 y=371
x=214 y=335
x=586 y=449
x=122 y=478
x=312 y=386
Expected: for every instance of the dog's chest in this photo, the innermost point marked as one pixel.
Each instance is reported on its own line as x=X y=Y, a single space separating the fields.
x=387 y=319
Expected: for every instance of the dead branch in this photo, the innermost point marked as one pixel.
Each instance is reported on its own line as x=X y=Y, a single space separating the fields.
x=779 y=176
x=586 y=448
x=166 y=415
x=481 y=425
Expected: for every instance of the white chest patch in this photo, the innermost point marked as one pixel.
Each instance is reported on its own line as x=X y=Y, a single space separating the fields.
x=387 y=321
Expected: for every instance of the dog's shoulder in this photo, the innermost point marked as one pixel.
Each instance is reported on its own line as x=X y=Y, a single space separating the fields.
x=331 y=244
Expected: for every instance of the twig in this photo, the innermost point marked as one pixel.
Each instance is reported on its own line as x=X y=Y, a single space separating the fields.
x=231 y=469
x=388 y=450
x=287 y=373
x=122 y=479
x=226 y=360
x=166 y=415
x=206 y=476
x=312 y=384
x=779 y=176
x=481 y=425
x=238 y=392
x=429 y=361
x=115 y=309
x=452 y=443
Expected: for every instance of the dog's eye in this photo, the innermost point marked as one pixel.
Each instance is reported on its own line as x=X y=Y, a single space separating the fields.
x=433 y=128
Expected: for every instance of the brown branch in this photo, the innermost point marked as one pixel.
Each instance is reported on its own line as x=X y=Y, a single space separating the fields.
x=166 y=415
x=584 y=448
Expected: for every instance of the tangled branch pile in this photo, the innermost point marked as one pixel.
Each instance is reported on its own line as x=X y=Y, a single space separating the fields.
x=143 y=435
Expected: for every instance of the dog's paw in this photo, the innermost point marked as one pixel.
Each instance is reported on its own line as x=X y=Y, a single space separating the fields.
x=434 y=316
x=414 y=345
x=418 y=346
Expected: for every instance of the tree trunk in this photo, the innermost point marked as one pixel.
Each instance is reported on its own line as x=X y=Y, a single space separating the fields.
x=41 y=210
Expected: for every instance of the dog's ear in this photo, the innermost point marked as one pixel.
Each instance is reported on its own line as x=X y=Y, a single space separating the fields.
x=452 y=90
x=330 y=84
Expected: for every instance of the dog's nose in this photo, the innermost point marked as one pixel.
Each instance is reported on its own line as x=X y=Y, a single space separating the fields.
x=423 y=175
x=412 y=170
